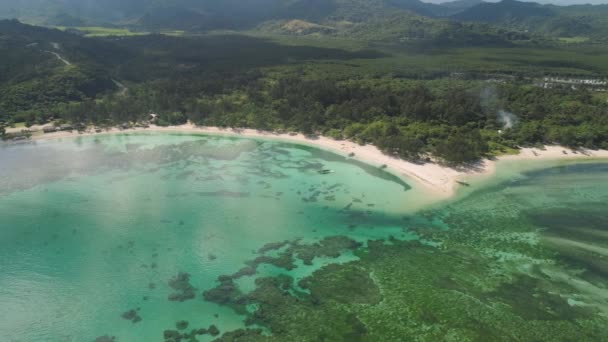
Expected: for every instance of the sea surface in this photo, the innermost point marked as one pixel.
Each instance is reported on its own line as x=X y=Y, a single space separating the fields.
x=94 y=227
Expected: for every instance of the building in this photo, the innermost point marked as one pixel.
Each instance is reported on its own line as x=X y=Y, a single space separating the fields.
x=573 y=83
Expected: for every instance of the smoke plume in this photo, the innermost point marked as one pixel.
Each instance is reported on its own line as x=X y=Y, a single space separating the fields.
x=507 y=119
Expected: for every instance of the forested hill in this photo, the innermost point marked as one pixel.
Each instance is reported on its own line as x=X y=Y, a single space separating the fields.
x=214 y=13
x=360 y=19
x=41 y=67
x=561 y=21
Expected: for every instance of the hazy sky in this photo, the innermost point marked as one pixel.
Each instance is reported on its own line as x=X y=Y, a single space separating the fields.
x=555 y=2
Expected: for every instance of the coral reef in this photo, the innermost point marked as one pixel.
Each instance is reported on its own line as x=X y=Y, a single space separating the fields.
x=409 y=290
x=183 y=289
x=181 y=325
x=132 y=315
x=176 y=336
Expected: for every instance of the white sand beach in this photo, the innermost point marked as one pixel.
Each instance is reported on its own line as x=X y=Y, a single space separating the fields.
x=435 y=178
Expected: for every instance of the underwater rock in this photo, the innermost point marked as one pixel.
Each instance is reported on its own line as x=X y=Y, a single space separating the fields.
x=245 y=271
x=184 y=290
x=132 y=316
x=284 y=260
x=172 y=335
x=272 y=246
x=241 y=335
x=181 y=297
x=213 y=330
x=224 y=293
x=129 y=315
x=330 y=246
x=181 y=325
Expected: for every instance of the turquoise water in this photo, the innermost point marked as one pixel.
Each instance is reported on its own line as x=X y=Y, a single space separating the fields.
x=94 y=227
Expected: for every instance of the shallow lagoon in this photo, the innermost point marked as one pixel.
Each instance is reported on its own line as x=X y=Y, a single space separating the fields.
x=97 y=226
x=89 y=224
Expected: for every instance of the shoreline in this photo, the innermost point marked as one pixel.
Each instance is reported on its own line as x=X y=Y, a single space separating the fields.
x=441 y=181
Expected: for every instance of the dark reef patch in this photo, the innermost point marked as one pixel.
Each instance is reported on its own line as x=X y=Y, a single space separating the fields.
x=175 y=336
x=343 y=284
x=183 y=289
x=181 y=325
x=132 y=316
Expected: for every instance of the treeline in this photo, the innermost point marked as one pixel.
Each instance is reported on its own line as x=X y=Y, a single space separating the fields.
x=455 y=121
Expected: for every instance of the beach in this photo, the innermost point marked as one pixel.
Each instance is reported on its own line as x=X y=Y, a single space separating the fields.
x=440 y=180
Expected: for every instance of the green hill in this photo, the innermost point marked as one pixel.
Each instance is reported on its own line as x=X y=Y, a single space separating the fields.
x=214 y=14
x=506 y=11
x=34 y=70
x=567 y=21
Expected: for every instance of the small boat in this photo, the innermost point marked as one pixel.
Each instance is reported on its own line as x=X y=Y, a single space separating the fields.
x=325 y=171
x=463 y=183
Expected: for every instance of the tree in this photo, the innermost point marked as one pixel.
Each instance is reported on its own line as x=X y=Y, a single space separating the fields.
x=406 y=147
x=417 y=103
x=172 y=119
x=461 y=146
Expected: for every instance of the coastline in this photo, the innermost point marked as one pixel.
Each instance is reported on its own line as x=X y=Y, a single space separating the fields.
x=440 y=181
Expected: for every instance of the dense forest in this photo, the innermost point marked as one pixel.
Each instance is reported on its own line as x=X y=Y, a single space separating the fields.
x=456 y=121
x=409 y=101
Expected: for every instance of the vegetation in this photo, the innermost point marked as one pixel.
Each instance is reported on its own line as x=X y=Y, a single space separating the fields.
x=496 y=274
x=350 y=93
x=571 y=21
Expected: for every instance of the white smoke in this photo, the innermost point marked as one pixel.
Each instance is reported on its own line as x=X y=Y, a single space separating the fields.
x=491 y=104
x=507 y=119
